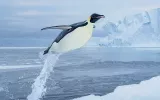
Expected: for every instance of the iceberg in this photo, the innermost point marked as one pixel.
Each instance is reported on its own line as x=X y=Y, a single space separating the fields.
x=139 y=30
x=146 y=90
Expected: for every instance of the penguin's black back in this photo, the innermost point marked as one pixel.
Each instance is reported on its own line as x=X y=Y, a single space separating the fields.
x=65 y=32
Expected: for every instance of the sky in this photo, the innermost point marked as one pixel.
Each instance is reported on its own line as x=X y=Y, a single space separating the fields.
x=25 y=18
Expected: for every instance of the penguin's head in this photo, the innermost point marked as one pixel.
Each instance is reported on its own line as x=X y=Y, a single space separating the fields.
x=95 y=17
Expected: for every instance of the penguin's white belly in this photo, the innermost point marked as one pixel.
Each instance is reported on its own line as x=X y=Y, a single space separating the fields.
x=74 y=40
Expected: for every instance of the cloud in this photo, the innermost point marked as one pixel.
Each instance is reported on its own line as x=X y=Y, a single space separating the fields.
x=32 y=3
x=32 y=13
x=27 y=13
x=147 y=8
x=55 y=2
x=51 y=13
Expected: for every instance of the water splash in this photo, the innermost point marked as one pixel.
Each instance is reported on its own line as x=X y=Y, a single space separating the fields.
x=38 y=87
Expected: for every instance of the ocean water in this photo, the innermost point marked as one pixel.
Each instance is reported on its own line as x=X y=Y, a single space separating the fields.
x=90 y=70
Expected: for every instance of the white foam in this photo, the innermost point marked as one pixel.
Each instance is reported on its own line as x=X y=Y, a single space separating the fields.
x=19 y=66
x=39 y=86
x=1 y=89
x=146 y=90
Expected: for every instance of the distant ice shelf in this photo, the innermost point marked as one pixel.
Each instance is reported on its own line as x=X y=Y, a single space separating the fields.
x=141 y=29
x=18 y=67
x=22 y=47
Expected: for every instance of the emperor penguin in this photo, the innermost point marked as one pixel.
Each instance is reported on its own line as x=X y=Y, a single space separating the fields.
x=73 y=36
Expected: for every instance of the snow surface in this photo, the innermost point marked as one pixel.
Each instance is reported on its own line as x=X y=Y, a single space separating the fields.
x=146 y=90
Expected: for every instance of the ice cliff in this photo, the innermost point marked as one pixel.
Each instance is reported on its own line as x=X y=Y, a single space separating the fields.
x=140 y=30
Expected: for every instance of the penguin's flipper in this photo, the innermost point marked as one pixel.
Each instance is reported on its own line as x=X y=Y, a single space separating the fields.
x=62 y=27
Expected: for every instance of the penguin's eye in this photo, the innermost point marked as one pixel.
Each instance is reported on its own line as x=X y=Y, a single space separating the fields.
x=94 y=16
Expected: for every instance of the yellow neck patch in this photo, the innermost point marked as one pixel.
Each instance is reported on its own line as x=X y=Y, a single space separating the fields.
x=89 y=19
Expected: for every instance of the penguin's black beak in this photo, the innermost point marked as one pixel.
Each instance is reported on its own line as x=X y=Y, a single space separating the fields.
x=100 y=16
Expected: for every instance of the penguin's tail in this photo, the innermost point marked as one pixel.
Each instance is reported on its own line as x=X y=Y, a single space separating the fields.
x=46 y=51
x=43 y=54
x=54 y=44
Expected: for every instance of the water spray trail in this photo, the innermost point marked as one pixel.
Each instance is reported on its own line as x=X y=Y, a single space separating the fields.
x=38 y=87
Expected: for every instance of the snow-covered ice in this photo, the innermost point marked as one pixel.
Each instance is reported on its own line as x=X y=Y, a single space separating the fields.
x=146 y=90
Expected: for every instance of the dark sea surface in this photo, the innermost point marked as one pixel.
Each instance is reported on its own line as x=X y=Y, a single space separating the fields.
x=90 y=70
